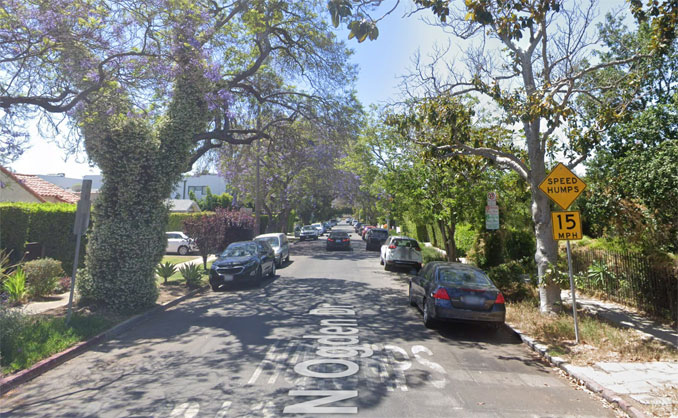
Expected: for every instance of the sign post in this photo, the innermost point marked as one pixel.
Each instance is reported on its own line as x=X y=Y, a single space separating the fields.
x=491 y=212
x=563 y=187
x=79 y=229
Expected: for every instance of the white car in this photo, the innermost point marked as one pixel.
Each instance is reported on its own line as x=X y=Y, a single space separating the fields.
x=400 y=251
x=281 y=248
x=178 y=242
x=320 y=227
x=308 y=232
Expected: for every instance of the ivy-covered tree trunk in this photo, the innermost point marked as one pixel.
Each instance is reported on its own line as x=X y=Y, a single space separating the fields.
x=140 y=166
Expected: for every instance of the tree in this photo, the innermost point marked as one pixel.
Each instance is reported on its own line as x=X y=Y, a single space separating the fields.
x=213 y=233
x=531 y=65
x=110 y=68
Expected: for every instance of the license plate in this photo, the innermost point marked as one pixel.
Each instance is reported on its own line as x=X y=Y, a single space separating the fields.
x=227 y=277
x=473 y=300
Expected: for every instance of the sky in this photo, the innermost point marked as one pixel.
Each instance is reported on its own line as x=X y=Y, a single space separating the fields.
x=381 y=62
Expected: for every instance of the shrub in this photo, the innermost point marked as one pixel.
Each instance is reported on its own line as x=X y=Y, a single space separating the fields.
x=519 y=244
x=42 y=276
x=63 y=285
x=510 y=279
x=464 y=237
x=165 y=270
x=15 y=286
x=12 y=323
x=192 y=273
x=431 y=254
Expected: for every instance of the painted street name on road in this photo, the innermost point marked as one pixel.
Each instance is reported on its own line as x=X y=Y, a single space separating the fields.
x=338 y=342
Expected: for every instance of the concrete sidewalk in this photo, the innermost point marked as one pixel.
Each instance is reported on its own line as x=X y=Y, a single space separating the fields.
x=639 y=389
x=57 y=301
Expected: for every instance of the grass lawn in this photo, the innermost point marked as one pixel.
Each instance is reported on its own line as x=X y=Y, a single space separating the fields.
x=26 y=340
x=176 y=259
x=599 y=340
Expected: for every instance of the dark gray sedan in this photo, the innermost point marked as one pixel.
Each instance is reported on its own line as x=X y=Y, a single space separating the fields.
x=242 y=262
x=456 y=292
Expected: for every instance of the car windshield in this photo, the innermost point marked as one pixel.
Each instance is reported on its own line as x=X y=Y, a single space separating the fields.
x=463 y=277
x=241 y=250
x=338 y=235
x=273 y=241
x=379 y=233
x=308 y=228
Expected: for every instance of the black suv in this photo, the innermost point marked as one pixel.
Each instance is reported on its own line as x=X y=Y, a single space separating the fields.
x=375 y=238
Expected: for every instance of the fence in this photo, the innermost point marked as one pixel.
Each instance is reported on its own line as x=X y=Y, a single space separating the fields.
x=629 y=278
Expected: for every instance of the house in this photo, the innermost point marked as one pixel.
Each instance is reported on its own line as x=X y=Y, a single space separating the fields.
x=31 y=188
x=182 y=205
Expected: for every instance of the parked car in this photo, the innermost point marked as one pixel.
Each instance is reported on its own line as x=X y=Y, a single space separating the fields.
x=178 y=242
x=281 y=248
x=242 y=262
x=297 y=231
x=375 y=237
x=456 y=292
x=357 y=227
x=308 y=232
x=327 y=226
x=338 y=241
x=333 y=222
x=365 y=229
x=320 y=227
x=401 y=251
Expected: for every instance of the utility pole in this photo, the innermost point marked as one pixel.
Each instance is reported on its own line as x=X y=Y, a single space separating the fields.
x=257 y=198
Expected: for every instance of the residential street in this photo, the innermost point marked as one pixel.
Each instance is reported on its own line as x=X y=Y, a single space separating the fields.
x=271 y=351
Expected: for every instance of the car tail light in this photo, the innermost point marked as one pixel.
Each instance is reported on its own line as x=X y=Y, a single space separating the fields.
x=346 y=240
x=392 y=247
x=417 y=248
x=500 y=299
x=441 y=294
x=330 y=239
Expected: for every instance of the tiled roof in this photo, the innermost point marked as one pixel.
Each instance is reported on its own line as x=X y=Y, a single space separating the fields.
x=46 y=189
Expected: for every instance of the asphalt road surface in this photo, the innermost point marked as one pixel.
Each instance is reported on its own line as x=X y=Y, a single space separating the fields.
x=332 y=334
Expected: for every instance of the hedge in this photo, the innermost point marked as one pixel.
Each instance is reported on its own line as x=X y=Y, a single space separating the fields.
x=50 y=224
x=176 y=219
x=13 y=229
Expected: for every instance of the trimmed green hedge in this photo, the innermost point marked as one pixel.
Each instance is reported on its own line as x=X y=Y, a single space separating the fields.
x=50 y=224
x=176 y=219
x=13 y=229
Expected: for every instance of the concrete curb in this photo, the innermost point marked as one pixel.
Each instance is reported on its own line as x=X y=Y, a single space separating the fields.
x=13 y=381
x=608 y=395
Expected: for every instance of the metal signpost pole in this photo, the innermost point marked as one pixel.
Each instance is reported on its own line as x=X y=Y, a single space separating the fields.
x=79 y=228
x=572 y=289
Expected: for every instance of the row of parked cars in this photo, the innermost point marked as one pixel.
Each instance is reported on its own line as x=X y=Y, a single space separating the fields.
x=443 y=291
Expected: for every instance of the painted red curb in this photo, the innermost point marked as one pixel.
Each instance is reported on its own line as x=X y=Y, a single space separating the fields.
x=12 y=381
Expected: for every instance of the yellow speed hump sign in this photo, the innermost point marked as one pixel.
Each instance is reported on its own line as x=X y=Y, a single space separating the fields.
x=566 y=226
x=562 y=186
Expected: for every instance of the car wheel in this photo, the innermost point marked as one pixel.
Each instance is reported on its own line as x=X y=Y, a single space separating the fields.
x=272 y=273
x=287 y=259
x=183 y=250
x=259 y=277
x=411 y=297
x=387 y=266
x=381 y=261
x=278 y=263
x=215 y=287
x=429 y=322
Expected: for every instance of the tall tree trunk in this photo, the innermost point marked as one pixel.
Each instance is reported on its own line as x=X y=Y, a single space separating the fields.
x=546 y=254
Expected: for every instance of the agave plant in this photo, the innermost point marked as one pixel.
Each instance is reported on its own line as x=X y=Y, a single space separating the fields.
x=165 y=270
x=15 y=286
x=192 y=273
